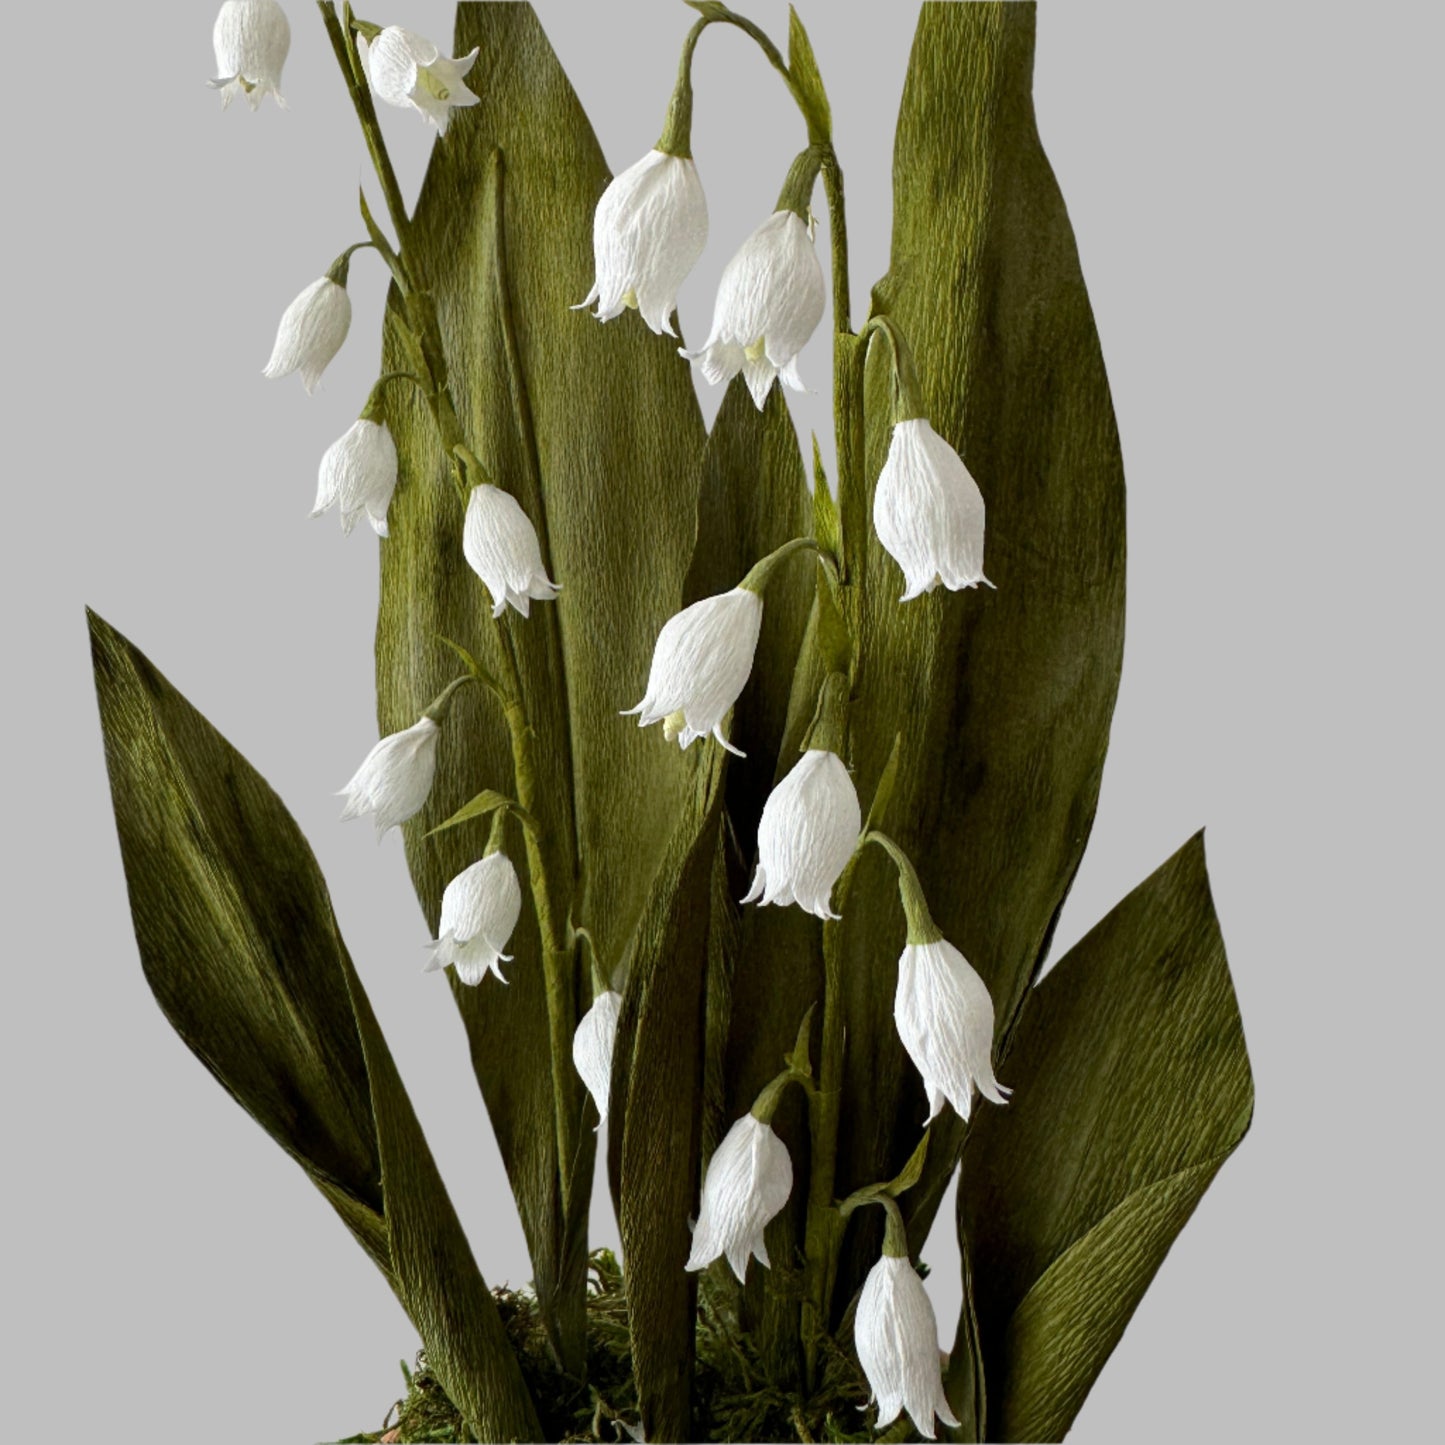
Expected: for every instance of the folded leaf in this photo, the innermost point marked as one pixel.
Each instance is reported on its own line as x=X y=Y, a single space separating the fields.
x=1131 y=1087
x=240 y=947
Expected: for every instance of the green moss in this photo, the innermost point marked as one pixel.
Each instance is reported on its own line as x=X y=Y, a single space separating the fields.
x=735 y=1397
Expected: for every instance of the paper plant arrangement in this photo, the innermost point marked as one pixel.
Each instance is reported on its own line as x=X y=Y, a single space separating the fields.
x=740 y=800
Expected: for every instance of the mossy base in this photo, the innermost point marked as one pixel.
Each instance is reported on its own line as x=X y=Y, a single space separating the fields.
x=734 y=1399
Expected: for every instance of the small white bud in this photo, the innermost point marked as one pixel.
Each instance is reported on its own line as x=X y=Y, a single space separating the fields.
x=312 y=329
x=896 y=1335
x=408 y=70
x=808 y=832
x=501 y=547
x=944 y=1017
x=748 y=1181
x=701 y=663
x=647 y=232
x=480 y=908
x=928 y=512
x=358 y=476
x=592 y=1047
x=252 y=39
x=769 y=302
x=395 y=777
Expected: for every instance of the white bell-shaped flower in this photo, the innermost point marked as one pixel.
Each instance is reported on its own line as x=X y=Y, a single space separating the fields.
x=928 y=512
x=647 y=232
x=808 y=832
x=944 y=1017
x=480 y=909
x=749 y=1178
x=896 y=1335
x=408 y=70
x=592 y=1047
x=252 y=39
x=312 y=329
x=358 y=476
x=700 y=665
x=501 y=547
x=769 y=302
x=395 y=777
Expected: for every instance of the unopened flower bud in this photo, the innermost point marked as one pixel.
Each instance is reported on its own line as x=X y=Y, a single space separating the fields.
x=312 y=329
x=395 y=777
x=501 y=547
x=592 y=1047
x=252 y=39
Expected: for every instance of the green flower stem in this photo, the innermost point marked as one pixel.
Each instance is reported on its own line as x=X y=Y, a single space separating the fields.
x=907 y=389
x=761 y=572
x=676 y=138
x=425 y=332
x=921 y=927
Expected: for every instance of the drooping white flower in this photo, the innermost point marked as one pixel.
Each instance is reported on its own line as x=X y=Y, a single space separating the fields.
x=808 y=832
x=500 y=544
x=700 y=665
x=769 y=302
x=480 y=908
x=312 y=329
x=408 y=70
x=944 y=1017
x=928 y=512
x=896 y=1334
x=647 y=232
x=748 y=1181
x=592 y=1047
x=395 y=777
x=358 y=475
x=252 y=39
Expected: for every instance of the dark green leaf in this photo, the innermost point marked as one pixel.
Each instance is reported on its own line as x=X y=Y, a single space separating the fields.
x=240 y=947
x=1131 y=1087
x=591 y=427
x=804 y=67
x=911 y=1172
x=1004 y=698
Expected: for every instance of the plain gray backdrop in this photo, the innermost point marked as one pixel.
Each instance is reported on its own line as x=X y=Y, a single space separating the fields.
x=1250 y=187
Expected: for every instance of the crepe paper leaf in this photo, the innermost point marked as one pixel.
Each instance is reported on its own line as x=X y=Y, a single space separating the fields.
x=657 y=1096
x=590 y=426
x=911 y=1172
x=240 y=947
x=487 y=801
x=887 y=780
x=809 y=80
x=799 y=1057
x=1131 y=1087
x=1003 y=698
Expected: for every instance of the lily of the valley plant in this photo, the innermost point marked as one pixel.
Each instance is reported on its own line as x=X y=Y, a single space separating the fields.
x=788 y=944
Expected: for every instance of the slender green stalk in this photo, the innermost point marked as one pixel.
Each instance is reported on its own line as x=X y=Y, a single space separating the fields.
x=421 y=322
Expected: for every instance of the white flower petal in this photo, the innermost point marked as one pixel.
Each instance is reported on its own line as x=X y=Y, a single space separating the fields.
x=701 y=664
x=648 y=231
x=808 y=832
x=928 y=511
x=358 y=475
x=501 y=547
x=592 y=1047
x=769 y=302
x=311 y=332
x=395 y=777
x=749 y=1178
x=252 y=39
x=408 y=70
x=896 y=1335
x=480 y=909
x=944 y=1017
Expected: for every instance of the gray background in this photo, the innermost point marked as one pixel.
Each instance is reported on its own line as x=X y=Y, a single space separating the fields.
x=1249 y=188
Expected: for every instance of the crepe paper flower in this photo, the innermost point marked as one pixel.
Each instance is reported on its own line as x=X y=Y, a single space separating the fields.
x=944 y=1017
x=647 y=232
x=896 y=1335
x=408 y=70
x=592 y=1047
x=701 y=663
x=749 y=1178
x=395 y=777
x=252 y=39
x=769 y=302
x=312 y=329
x=501 y=547
x=928 y=512
x=358 y=476
x=480 y=908
x=808 y=832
